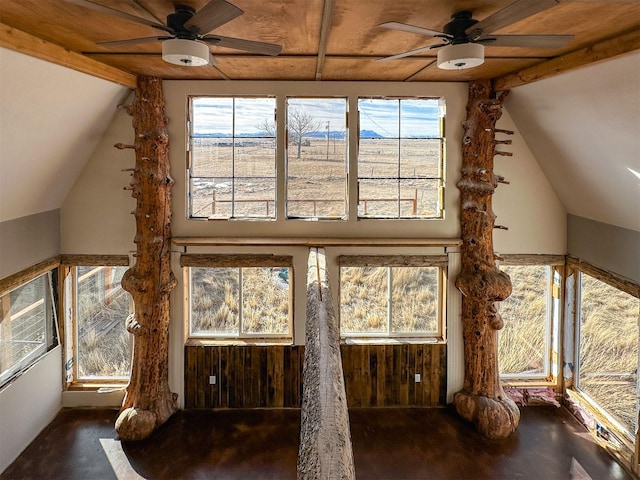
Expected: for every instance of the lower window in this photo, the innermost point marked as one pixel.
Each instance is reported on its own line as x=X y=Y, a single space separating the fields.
x=103 y=344
x=229 y=301
x=27 y=326
x=390 y=299
x=528 y=343
x=608 y=349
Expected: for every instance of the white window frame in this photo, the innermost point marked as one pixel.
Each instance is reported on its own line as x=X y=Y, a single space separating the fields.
x=553 y=317
x=441 y=179
x=436 y=261
x=345 y=215
x=581 y=268
x=69 y=287
x=191 y=136
x=239 y=261
x=50 y=328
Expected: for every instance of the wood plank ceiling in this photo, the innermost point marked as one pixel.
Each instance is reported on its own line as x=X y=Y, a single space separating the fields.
x=331 y=40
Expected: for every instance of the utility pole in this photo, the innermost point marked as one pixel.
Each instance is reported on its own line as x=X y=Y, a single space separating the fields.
x=328 y=123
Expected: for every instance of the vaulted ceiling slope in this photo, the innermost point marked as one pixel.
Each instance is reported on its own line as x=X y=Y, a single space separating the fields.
x=583 y=127
x=51 y=119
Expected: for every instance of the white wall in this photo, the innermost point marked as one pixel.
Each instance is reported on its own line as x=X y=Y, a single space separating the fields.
x=28 y=404
x=528 y=206
x=95 y=217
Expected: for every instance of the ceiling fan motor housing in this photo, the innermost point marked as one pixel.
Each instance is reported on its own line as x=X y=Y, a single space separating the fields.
x=458 y=25
x=176 y=21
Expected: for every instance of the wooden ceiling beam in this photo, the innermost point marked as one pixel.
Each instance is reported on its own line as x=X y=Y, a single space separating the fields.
x=327 y=13
x=598 y=52
x=23 y=42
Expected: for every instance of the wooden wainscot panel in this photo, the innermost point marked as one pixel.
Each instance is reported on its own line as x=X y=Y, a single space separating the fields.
x=247 y=376
x=384 y=375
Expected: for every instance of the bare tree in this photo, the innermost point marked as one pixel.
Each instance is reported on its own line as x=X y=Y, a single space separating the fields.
x=300 y=123
x=268 y=127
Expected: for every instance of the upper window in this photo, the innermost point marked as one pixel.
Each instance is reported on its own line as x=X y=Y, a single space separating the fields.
x=400 y=158
x=527 y=343
x=382 y=297
x=607 y=363
x=232 y=171
x=317 y=158
x=236 y=296
x=27 y=326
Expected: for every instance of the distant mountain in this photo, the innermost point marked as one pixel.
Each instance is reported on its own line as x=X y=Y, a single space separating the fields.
x=370 y=134
x=321 y=134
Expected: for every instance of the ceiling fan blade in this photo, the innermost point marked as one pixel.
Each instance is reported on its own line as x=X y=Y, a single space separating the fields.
x=241 y=44
x=212 y=15
x=410 y=52
x=518 y=10
x=118 y=13
x=413 y=29
x=132 y=41
x=534 y=41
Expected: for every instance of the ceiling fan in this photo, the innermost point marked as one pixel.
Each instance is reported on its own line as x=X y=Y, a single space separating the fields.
x=464 y=37
x=188 y=40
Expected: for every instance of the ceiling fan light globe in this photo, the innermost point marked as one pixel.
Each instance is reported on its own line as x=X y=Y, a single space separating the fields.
x=460 y=56
x=187 y=53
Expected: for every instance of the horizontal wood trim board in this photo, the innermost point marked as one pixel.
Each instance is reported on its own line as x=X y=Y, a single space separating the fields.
x=13 y=281
x=609 y=278
x=96 y=260
x=530 y=259
x=314 y=241
x=240 y=260
x=271 y=376
x=393 y=260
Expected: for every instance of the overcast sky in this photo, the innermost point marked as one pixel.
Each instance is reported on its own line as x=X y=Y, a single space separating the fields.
x=388 y=118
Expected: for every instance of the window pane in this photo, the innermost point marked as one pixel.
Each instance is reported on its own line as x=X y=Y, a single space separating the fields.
x=212 y=116
x=103 y=342
x=378 y=158
x=215 y=300
x=419 y=198
x=316 y=158
x=378 y=198
x=414 y=297
x=379 y=118
x=363 y=299
x=420 y=158
x=265 y=300
x=609 y=348
x=522 y=343
x=419 y=118
x=211 y=157
x=26 y=326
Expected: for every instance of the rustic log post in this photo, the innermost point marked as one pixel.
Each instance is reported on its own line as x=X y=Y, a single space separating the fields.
x=482 y=400
x=148 y=402
x=325 y=450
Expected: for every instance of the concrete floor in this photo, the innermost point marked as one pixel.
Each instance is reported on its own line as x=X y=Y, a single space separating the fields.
x=388 y=443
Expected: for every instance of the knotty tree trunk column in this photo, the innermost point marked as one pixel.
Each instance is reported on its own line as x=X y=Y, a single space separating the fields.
x=148 y=402
x=482 y=400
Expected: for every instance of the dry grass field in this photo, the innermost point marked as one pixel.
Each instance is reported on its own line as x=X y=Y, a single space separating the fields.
x=217 y=305
x=609 y=349
x=316 y=182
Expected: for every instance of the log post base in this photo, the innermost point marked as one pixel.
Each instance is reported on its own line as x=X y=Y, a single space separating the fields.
x=493 y=418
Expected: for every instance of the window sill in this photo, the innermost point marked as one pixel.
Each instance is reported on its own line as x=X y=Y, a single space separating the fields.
x=225 y=342
x=392 y=341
